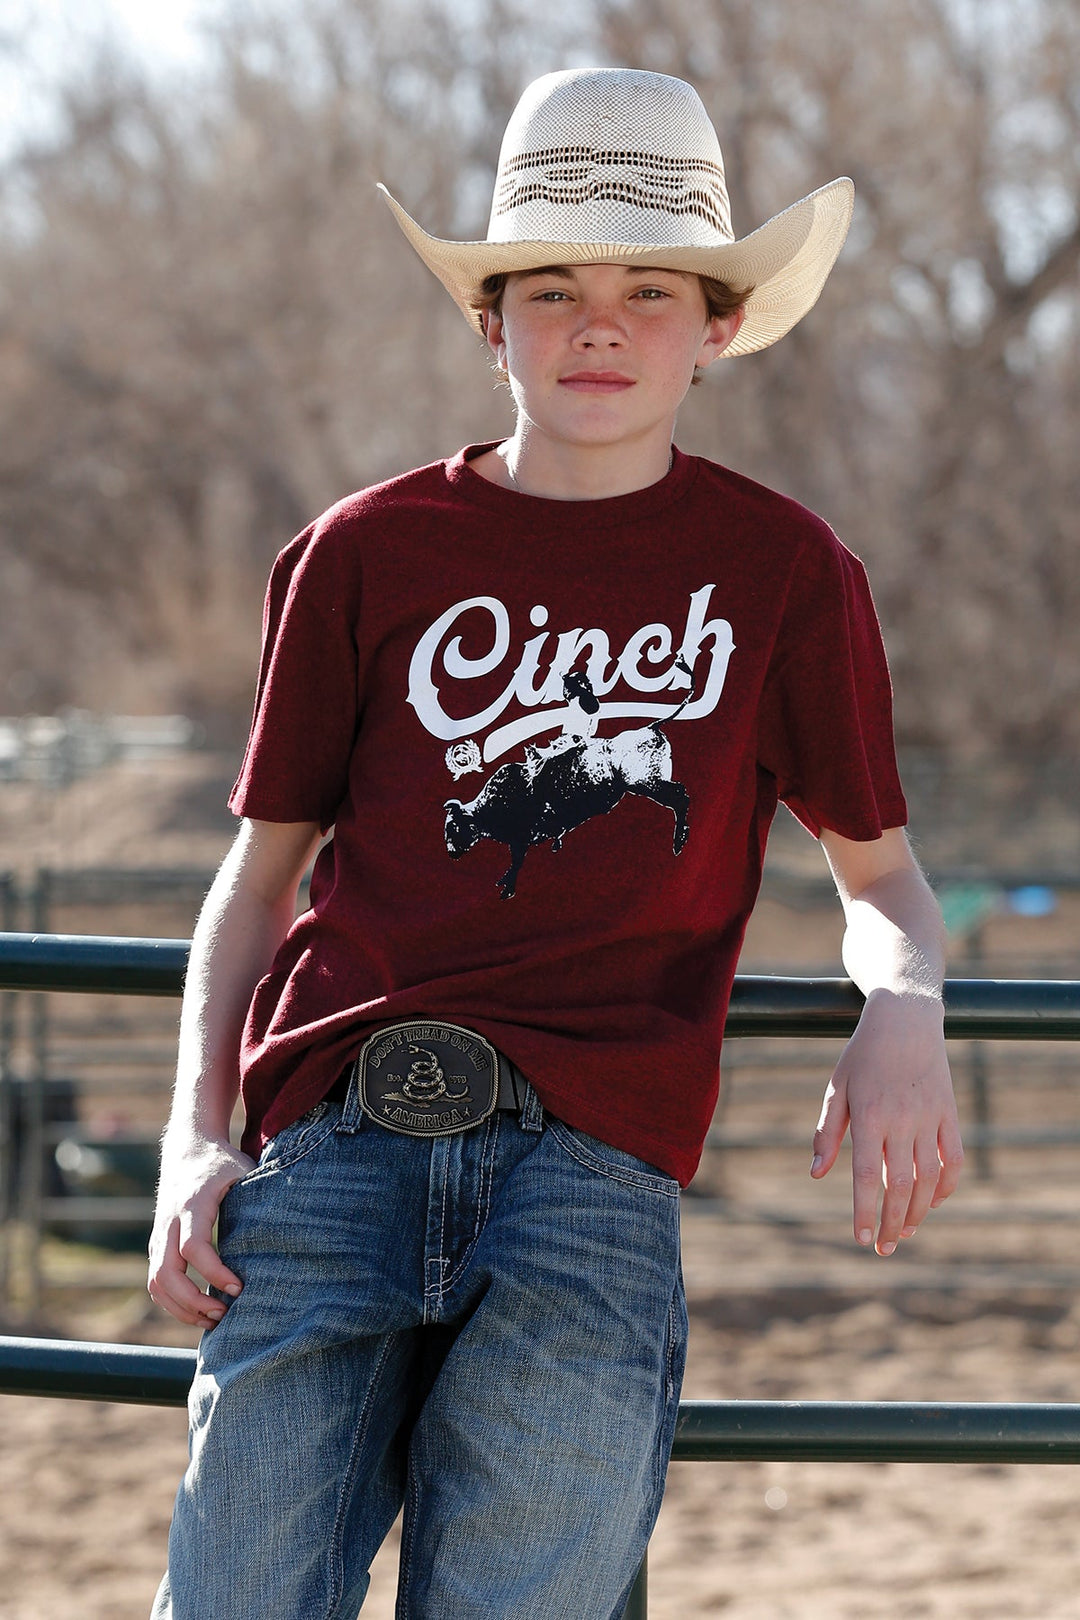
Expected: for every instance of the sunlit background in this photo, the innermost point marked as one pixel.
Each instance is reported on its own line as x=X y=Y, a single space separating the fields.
x=210 y=330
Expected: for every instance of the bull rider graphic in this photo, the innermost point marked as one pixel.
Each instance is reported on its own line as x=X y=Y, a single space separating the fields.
x=566 y=782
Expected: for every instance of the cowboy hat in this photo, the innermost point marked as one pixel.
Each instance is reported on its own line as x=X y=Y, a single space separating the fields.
x=612 y=165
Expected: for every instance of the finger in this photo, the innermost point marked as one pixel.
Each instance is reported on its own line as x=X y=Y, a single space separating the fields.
x=927 y=1172
x=170 y=1287
x=831 y=1126
x=951 y=1156
x=196 y=1228
x=204 y=1320
x=899 y=1180
x=185 y=1302
x=201 y=1253
x=866 y=1186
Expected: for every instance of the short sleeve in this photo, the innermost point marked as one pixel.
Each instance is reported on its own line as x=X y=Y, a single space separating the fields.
x=296 y=765
x=826 y=729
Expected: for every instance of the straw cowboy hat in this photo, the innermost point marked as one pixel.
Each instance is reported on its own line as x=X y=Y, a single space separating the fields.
x=611 y=165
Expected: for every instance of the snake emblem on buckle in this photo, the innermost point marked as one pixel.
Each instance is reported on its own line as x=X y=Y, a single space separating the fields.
x=427 y=1078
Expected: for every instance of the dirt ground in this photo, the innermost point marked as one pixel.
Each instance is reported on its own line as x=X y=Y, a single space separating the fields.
x=982 y=1305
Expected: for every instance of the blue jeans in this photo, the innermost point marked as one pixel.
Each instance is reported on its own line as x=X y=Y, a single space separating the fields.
x=489 y=1328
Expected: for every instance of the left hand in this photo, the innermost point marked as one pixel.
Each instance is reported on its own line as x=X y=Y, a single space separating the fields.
x=892 y=1087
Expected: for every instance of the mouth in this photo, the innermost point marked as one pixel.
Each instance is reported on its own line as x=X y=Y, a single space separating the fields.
x=596 y=382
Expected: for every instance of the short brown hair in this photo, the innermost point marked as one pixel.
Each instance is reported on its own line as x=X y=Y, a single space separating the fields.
x=721 y=299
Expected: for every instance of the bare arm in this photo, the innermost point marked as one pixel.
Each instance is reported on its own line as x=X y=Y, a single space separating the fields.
x=892 y=1084
x=246 y=915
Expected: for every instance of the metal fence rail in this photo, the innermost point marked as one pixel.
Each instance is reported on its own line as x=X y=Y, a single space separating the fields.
x=98 y=964
x=996 y=1009
x=706 y=1430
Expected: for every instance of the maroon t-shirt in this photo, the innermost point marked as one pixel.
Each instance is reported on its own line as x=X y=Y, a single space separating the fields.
x=550 y=737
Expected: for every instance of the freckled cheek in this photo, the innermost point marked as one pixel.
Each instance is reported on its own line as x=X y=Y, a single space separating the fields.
x=672 y=357
x=529 y=358
x=671 y=376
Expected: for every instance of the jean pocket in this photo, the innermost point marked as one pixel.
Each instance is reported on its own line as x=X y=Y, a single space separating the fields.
x=615 y=1162
x=291 y=1143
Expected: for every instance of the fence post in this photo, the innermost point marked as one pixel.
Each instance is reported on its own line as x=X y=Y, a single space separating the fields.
x=980 y=1073
x=9 y=1204
x=637 y=1604
x=32 y=1170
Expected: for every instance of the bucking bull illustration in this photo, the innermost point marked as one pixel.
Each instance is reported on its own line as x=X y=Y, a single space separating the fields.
x=559 y=786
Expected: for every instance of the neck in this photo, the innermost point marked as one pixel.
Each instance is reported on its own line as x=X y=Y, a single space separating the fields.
x=534 y=465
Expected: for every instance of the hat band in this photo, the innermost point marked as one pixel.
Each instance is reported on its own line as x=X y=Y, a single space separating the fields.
x=574 y=176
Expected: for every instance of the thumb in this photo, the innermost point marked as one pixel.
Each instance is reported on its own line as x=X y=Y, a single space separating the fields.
x=831 y=1125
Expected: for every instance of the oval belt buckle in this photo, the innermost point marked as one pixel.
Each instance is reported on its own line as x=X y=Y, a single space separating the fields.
x=428 y=1078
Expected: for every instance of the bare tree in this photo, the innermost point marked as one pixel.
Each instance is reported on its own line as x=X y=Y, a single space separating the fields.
x=929 y=405
x=209 y=327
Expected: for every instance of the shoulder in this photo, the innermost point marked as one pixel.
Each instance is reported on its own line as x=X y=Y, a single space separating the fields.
x=796 y=547
x=351 y=516
x=393 y=496
x=332 y=547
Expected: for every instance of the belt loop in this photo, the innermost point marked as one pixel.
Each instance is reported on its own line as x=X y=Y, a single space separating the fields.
x=532 y=1109
x=351 y=1113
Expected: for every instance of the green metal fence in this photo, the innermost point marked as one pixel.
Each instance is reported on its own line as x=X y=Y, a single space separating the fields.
x=989 y=1009
x=707 y=1430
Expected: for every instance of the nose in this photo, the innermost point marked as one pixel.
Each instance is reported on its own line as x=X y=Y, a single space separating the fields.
x=601 y=327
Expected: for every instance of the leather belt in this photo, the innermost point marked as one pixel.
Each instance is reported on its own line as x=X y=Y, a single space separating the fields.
x=430 y=1078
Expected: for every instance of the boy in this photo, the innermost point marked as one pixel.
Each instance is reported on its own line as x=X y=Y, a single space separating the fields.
x=478 y=1069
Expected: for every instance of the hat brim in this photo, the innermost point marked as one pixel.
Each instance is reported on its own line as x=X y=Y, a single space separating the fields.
x=786 y=261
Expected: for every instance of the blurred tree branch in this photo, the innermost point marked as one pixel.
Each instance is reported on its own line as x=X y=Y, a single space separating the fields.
x=210 y=328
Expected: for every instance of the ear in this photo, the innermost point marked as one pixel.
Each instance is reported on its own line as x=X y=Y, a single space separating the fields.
x=719 y=334
x=494 y=332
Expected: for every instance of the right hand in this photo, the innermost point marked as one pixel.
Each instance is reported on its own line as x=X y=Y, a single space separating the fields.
x=194 y=1179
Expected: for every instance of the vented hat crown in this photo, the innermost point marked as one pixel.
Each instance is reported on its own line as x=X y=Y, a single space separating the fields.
x=613 y=165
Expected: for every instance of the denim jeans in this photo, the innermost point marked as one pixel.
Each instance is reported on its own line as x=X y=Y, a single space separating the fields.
x=488 y=1328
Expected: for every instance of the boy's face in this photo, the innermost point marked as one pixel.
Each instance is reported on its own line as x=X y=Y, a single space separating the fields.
x=603 y=354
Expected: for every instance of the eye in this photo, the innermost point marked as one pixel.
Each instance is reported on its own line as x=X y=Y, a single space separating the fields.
x=652 y=295
x=550 y=295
